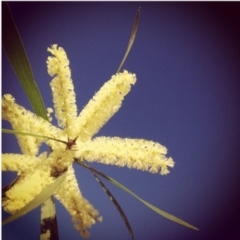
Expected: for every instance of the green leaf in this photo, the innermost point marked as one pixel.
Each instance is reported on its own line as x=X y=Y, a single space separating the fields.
x=49 y=226
x=131 y=40
x=116 y=204
x=157 y=210
x=9 y=131
x=17 y=56
x=40 y=198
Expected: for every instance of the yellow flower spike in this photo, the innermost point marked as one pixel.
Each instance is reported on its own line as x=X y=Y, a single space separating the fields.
x=104 y=104
x=18 y=163
x=63 y=90
x=133 y=153
x=84 y=215
x=25 y=121
x=20 y=119
x=30 y=184
x=35 y=174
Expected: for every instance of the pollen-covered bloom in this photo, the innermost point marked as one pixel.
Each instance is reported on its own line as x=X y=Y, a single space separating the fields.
x=78 y=143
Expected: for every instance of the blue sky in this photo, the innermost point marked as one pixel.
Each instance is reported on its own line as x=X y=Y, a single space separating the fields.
x=186 y=58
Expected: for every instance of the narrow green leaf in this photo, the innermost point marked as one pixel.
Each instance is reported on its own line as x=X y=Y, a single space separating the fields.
x=116 y=204
x=7 y=187
x=157 y=210
x=131 y=40
x=17 y=56
x=9 y=131
x=49 y=226
x=40 y=198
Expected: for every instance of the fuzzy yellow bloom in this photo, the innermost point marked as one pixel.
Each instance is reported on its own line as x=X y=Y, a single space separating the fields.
x=35 y=173
x=17 y=163
x=26 y=188
x=133 y=153
x=25 y=121
x=104 y=104
x=76 y=133
x=62 y=90
x=82 y=212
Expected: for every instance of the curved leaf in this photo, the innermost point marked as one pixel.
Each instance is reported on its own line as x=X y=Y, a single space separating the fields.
x=17 y=56
x=155 y=209
x=131 y=40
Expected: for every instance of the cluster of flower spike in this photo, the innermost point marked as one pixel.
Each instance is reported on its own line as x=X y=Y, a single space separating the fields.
x=76 y=133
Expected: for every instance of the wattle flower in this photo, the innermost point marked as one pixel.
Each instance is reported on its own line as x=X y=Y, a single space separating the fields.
x=77 y=143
